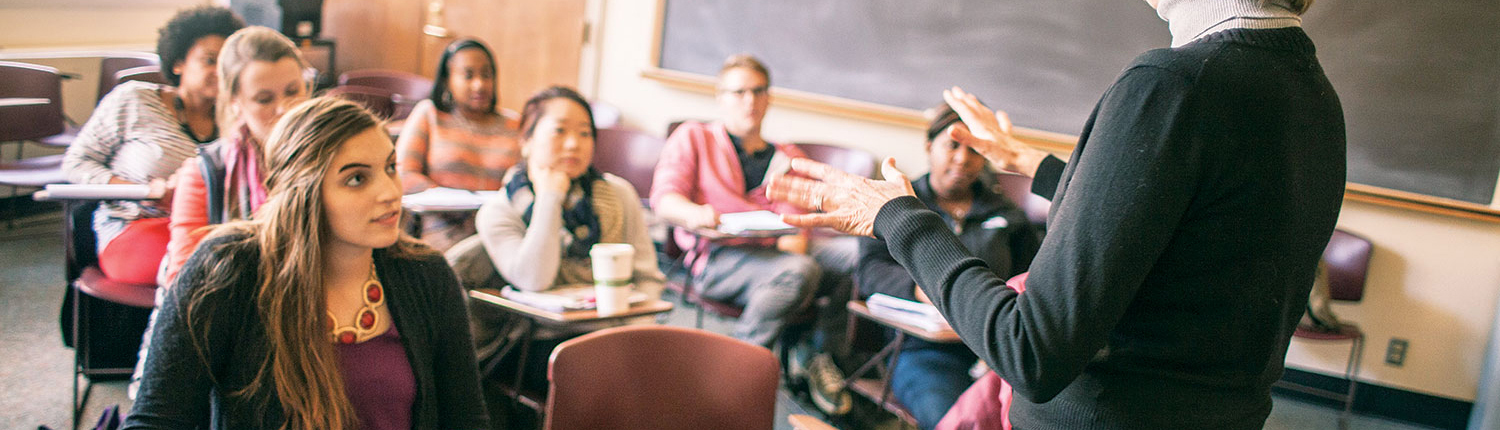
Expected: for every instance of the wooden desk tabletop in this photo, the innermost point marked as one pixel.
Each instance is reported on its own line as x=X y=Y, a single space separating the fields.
x=942 y=336
x=492 y=296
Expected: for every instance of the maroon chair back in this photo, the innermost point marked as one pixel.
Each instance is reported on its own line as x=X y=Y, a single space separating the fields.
x=406 y=89
x=628 y=154
x=378 y=101
x=30 y=119
x=1018 y=189
x=1347 y=259
x=148 y=73
x=854 y=161
x=661 y=377
x=110 y=67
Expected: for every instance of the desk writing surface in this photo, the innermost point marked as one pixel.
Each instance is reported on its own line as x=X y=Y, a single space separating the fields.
x=492 y=296
x=942 y=336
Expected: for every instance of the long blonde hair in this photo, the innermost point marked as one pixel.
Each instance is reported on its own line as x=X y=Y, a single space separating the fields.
x=289 y=232
x=248 y=45
x=245 y=46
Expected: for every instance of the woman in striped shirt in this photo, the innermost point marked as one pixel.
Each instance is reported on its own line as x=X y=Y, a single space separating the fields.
x=141 y=132
x=457 y=138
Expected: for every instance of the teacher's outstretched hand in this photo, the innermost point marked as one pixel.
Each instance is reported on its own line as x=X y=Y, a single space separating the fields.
x=839 y=200
x=989 y=133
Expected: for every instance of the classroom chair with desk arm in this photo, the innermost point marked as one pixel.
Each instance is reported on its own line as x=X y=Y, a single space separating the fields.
x=379 y=101
x=663 y=377
x=102 y=319
x=1347 y=261
x=406 y=88
x=522 y=322
x=111 y=66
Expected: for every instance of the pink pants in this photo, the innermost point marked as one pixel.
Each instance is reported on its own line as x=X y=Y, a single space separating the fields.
x=986 y=404
x=135 y=254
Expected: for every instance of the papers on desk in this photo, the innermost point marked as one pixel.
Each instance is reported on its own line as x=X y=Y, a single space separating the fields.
x=447 y=199
x=916 y=314
x=99 y=191
x=562 y=299
x=758 y=222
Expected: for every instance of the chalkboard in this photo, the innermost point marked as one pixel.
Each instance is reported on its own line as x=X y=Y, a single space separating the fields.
x=1419 y=80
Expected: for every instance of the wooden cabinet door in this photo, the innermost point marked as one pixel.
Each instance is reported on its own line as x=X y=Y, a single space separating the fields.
x=536 y=43
x=375 y=34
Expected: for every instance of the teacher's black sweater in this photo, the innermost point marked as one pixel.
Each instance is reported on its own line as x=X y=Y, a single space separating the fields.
x=1180 y=248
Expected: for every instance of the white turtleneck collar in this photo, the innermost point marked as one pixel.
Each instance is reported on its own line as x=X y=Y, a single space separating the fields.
x=1192 y=19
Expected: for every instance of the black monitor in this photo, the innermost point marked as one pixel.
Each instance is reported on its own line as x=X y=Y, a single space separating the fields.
x=297 y=19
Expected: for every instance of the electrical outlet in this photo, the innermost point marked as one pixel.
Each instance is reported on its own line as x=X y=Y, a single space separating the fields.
x=1395 y=353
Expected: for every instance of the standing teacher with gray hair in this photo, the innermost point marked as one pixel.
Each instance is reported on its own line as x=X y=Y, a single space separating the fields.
x=1183 y=236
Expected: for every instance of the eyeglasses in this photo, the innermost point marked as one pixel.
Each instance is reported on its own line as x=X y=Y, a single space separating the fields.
x=742 y=92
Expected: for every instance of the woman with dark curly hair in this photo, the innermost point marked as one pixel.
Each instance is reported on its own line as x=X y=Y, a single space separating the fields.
x=141 y=132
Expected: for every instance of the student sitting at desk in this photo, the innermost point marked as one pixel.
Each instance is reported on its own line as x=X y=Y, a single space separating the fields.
x=928 y=377
x=318 y=314
x=457 y=138
x=260 y=77
x=711 y=169
x=141 y=132
x=554 y=207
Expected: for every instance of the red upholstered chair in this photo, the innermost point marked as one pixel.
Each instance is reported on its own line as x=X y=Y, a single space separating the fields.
x=629 y=154
x=110 y=67
x=30 y=110
x=378 y=101
x=406 y=89
x=1018 y=189
x=852 y=160
x=102 y=319
x=148 y=73
x=661 y=377
x=1347 y=262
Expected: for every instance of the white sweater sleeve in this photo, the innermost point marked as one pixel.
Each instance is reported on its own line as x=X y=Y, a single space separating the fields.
x=527 y=256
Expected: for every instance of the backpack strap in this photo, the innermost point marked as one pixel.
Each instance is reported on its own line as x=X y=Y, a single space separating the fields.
x=212 y=169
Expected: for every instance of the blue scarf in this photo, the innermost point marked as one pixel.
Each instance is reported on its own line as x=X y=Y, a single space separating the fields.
x=581 y=222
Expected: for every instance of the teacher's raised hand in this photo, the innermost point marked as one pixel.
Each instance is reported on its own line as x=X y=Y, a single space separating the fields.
x=989 y=133
x=839 y=200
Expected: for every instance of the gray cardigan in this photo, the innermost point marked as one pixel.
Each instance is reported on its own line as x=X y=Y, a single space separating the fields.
x=183 y=390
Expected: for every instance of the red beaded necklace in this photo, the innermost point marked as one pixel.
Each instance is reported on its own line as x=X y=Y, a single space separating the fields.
x=366 y=320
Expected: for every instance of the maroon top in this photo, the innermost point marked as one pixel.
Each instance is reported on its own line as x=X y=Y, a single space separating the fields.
x=379 y=381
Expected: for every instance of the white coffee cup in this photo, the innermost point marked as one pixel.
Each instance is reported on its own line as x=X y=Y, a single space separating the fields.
x=612 y=262
x=613 y=265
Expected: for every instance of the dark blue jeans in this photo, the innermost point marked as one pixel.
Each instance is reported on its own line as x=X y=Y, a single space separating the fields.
x=928 y=378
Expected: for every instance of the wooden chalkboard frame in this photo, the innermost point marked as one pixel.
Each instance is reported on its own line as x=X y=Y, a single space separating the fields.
x=1050 y=141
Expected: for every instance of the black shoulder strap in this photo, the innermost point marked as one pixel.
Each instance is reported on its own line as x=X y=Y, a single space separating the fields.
x=212 y=169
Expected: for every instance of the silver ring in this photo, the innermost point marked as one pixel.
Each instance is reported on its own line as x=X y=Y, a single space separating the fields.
x=818 y=204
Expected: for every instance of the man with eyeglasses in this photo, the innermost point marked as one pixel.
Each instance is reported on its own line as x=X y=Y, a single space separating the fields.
x=709 y=169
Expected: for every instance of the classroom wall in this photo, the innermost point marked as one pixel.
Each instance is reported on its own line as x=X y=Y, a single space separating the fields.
x=1434 y=279
x=53 y=27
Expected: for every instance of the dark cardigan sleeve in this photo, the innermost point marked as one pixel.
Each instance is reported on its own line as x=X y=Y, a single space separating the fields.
x=1128 y=188
x=460 y=402
x=878 y=272
x=176 y=386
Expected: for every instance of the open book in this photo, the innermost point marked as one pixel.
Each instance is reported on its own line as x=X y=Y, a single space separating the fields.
x=565 y=298
x=758 y=222
x=907 y=312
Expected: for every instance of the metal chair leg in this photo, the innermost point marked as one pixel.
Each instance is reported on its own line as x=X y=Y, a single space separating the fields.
x=1351 y=370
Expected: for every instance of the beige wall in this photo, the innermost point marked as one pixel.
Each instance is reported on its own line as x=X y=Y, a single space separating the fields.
x=36 y=28
x=1434 y=280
